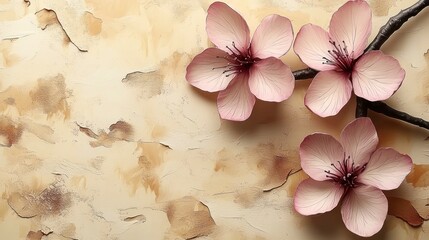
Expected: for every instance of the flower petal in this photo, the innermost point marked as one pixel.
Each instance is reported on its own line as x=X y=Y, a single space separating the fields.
x=377 y=76
x=386 y=169
x=364 y=210
x=351 y=23
x=206 y=71
x=317 y=152
x=236 y=101
x=328 y=93
x=272 y=38
x=359 y=139
x=312 y=45
x=313 y=197
x=271 y=80
x=224 y=26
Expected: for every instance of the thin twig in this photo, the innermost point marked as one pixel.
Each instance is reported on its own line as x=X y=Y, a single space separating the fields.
x=290 y=173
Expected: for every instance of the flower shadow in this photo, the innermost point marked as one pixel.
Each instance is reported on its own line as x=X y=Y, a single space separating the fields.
x=330 y=226
x=263 y=113
x=208 y=96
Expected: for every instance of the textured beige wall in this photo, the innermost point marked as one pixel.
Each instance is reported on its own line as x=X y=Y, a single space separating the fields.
x=102 y=138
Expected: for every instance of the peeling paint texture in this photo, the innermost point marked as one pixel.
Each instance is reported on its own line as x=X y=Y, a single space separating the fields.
x=101 y=136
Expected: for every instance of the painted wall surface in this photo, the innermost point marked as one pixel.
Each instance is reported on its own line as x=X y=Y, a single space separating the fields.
x=101 y=137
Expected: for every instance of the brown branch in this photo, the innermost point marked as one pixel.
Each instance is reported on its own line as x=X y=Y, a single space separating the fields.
x=385 y=109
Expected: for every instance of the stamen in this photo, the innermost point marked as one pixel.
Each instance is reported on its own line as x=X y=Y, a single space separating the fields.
x=345 y=174
x=233 y=44
x=339 y=56
x=237 y=62
x=345 y=49
x=333 y=165
x=232 y=52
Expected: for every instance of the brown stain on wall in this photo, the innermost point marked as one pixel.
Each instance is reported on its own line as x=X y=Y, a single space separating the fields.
x=222 y=162
x=189 y=218
x=279 y=168
x=276 y=165
x=381 y=7
x=10 y=132
x=46 y=17
x=145 y=174
x=149 y=83
x=35 y=235
x=93 y=24
x=17 y=97
x=248 y=196
x=419 y=176
x=51 y=95
x=119 y=131
x=29 y=203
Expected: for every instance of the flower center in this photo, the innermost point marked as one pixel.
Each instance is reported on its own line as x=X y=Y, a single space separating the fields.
x=346 y=173
x=339 y=56
x=238 y=61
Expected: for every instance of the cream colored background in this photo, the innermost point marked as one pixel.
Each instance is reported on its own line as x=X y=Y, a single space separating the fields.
x=170 y=168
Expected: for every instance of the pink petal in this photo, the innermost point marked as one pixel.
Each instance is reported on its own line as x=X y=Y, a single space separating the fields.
x=224 y=26
x=352 y=24
x=313 y=197
x=377 y=76
x=317 y=152
x=271 y=80
x=312 y=45
x=328 y=93
x=236 y=101
x=272 y=38
x=206 y=73
x=386 y=169
x=364 y=210
x=359 y=139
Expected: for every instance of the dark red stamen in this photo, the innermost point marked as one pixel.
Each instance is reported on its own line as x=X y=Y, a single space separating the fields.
x=345 y=174
x=339 y=56
x=238 y=61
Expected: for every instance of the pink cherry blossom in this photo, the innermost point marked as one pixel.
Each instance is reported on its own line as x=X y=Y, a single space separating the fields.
x=240 y=68
x=351 y=170
x=339 y=56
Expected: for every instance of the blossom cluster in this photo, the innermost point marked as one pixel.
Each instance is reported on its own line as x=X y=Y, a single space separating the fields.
x=243 y=68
